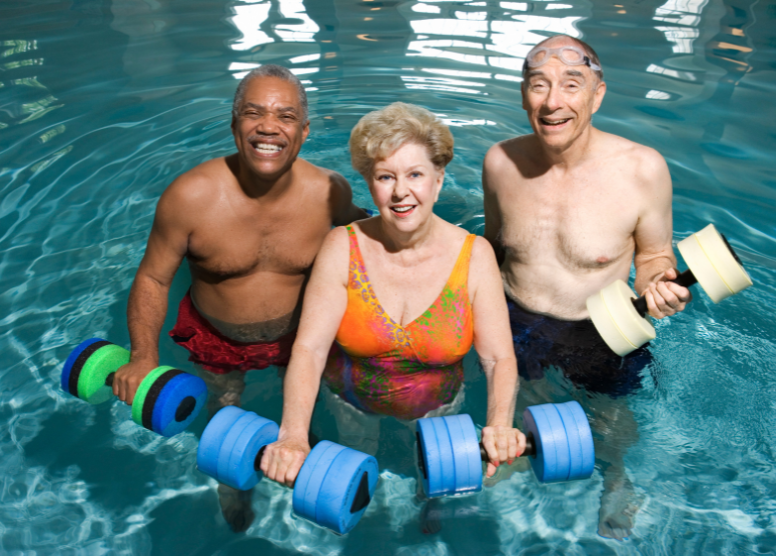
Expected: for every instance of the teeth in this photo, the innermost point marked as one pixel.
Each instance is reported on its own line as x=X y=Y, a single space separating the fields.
x=402 y=209
x=548 y=122
x=267 y=148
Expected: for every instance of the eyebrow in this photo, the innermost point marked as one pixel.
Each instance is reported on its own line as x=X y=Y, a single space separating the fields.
x=260 y=107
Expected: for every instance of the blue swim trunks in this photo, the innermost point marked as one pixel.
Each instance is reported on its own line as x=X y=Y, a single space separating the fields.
x=576 y=348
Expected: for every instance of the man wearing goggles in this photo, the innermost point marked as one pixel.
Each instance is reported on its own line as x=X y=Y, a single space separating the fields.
x=567 y=208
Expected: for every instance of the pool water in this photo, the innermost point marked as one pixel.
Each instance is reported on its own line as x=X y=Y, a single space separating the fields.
x=104 y=102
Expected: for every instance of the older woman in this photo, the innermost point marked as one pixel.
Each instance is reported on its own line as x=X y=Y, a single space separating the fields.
x=398 y=295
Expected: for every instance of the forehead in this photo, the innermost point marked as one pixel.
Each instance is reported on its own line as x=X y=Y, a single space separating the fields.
x=271 y=91
x=408 y=153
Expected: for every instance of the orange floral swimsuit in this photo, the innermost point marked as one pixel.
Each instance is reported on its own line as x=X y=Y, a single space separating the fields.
x=402 y=371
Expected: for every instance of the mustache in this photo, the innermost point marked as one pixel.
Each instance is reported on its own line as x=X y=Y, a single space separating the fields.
x=256 y=137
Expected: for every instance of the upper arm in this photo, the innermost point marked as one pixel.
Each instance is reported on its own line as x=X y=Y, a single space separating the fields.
x=654 y=229
x=490 y=197
x=343 y=210
x=168 y=241
x=492 y=333
x=326 y=295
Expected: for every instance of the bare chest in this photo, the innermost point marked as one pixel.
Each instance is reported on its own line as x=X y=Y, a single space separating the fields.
x=586 y=225
x=284 y=242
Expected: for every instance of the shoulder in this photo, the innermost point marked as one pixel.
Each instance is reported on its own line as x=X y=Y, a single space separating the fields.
x=645 y=164
x=195 y=189
x=507 y=157
x=335 y=251
x=319 y=175
x=482 y=253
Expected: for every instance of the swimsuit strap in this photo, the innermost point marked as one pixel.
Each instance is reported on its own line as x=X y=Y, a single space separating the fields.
x=460 y=274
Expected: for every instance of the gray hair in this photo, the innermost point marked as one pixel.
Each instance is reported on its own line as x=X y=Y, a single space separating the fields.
x=270 y=70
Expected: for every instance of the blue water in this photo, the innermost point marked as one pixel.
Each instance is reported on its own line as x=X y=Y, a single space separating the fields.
x=103 y=103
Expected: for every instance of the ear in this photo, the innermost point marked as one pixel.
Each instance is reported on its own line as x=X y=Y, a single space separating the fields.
x=233 y=125
x=438 y=185
x=598 y=96
x=522 y=93
x=305 y=130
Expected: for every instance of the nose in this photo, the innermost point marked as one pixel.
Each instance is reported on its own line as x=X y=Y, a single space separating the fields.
x=267 y=125
x=400 y=189
x=554 y=99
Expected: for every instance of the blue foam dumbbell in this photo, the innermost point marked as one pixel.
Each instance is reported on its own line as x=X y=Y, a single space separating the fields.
x=559 y=444
x=334 y=485
x=166 y=402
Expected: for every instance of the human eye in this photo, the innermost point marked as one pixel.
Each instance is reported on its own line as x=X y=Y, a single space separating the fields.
x=537 y=86
x=416 y=174
x=572 y=86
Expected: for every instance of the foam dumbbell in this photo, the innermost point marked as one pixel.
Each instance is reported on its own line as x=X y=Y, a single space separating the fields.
x=559 y=445
x=334 y=485
x=166 y=402
x=620 y=316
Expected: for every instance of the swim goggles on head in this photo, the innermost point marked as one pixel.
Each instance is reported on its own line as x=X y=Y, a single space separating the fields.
x=569 y=55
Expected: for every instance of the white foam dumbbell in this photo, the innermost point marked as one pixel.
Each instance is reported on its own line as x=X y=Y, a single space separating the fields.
x=620 y=316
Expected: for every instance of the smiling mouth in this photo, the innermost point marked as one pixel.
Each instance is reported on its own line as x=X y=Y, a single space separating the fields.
x=553 y=123
x=267 y=148
x=402 y=209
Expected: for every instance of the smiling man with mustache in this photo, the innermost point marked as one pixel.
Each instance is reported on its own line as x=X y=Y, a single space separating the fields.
x=250 y=225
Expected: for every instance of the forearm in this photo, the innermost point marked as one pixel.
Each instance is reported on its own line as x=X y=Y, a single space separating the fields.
x=146 y=312
x=300 y=390
x=648 y=270
x=503 y=384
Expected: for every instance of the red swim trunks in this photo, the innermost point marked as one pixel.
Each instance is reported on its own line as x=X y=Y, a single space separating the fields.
x=219 y=354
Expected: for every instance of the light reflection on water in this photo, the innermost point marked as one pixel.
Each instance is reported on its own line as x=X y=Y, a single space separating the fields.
x=104 y=103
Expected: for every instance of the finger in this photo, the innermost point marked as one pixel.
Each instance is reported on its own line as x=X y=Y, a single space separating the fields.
x=513 y=446
x=491 y=470
x=651 y=305
x=489 y=444
x=670 y=299
x=682 y=294
x=273 y=465
x=293 y=471
x=670 y=274
x=521 y=443
x=266 y=458
x=129 y=393
x=502 y=444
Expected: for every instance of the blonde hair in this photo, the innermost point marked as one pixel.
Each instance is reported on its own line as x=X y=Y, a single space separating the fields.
x=381 y=133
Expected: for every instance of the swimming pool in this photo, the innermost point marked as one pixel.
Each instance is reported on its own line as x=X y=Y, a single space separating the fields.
x=105 y=102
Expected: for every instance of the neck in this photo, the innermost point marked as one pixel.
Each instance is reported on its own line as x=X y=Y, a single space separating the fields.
x=397 y=240
x=572 y=153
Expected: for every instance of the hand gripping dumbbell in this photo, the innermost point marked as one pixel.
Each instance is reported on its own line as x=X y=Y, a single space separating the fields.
x=166 y=402
x=558 y=442
x=619 y=315
x=334 y=485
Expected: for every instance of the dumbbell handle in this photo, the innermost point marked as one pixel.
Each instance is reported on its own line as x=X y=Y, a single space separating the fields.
x=185 y=408
x=685 y=279
x=530 y=448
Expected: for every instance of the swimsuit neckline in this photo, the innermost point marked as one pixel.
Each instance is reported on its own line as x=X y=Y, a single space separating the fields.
x=377 y=300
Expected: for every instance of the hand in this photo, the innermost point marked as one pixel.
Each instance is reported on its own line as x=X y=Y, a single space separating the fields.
x=503 y=444
x=129 y=377
x=665 y=298
x=283 y=459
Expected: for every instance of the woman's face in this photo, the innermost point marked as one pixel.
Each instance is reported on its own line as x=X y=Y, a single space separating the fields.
x=405 y=187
